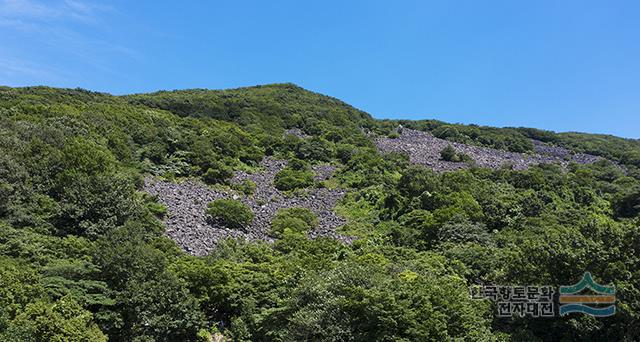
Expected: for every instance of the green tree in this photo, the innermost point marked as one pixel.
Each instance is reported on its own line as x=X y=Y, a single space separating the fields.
x=218 y=172
x=232 y=213
x=297 y=219
x=449 y=154
x=19 y=286
x=290 y=179
x=627 y=203
x=63 y=320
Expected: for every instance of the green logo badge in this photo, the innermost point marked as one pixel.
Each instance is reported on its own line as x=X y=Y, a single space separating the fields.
x=591 y=304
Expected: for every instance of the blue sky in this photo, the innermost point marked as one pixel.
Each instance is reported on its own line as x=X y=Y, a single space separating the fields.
x=559 y=65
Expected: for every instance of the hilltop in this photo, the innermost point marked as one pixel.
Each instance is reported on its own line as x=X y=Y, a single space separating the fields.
x=276 y=213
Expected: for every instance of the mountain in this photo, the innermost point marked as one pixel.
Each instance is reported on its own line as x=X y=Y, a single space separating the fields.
x=275 y=105
x=275 y=213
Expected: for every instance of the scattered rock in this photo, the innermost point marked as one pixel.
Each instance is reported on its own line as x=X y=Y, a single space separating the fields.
x=297 y=132
x=563 y=153
x=323 y=172
x=423 y=148
x=186 y=221
x=187 y=202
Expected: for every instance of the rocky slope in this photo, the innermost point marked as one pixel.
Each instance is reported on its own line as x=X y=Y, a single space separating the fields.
x=423 y=148
x=187 y=201
x=187 y=223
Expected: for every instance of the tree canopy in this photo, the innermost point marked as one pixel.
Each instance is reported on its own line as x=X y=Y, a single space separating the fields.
x=83 y=256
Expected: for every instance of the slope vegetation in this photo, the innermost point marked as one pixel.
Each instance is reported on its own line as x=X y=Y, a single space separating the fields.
x=268 y=213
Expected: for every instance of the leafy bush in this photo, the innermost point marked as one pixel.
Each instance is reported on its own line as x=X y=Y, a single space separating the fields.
x=296 y=175
x=627 y=203
x=299 y=220
x=447 y=132
x=298 y=164
x=449 y=154
x=344 y=152
x=315 y=149
x=462 y=232
x=231 y=213
x=217 y=173
x=247 y=187
x=157 y=209
x=63 y=320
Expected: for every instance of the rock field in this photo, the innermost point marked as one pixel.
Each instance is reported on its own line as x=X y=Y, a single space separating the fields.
x=187 y=224
x=423 y=148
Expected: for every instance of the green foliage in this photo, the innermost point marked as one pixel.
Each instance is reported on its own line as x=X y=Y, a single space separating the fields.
x=344 y=152
x=418 y=229
x=158 y=209
x=150 y=301
x=231 y=213
x=393 y=135
x=266 y=106
x=298 y=220
x=381 y=303
x=63 y=320
x=315 y=149
x=464 y=232
x=247 y=187
x=217 y=173
x=19 y=286
x=449 y=154
x=160 y=309
x=291 y=178
x=83 y=257
x=298 y=164
x=627 y=203
x=367 y=167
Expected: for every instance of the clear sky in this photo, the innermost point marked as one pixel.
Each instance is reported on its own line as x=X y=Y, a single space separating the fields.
x=560 y=65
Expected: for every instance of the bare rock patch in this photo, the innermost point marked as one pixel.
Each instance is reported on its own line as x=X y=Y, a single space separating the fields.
x=423 y=148
x=187 y=224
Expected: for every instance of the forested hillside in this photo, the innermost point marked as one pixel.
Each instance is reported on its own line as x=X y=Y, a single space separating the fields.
x=272 y=213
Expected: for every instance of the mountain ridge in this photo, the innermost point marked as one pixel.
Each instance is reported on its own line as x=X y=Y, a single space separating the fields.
x=269 y=213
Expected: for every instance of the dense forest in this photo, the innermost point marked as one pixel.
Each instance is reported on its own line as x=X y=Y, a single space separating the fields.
x=84 y=255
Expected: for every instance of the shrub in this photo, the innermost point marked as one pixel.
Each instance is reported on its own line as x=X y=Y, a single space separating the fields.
x=419 y=229
x=315 y=149
x=465 y=231
x=290 y=179
x=344 y=152
x=157 y=209
x=247 y=187
x=298 y=164
x=231 y=213
x=217 y=173
x=449 y=154
x=252 y=155
x=62 y=320
x=447 y=132
x=627 y=203
x=465 y=158
x=299 y=220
